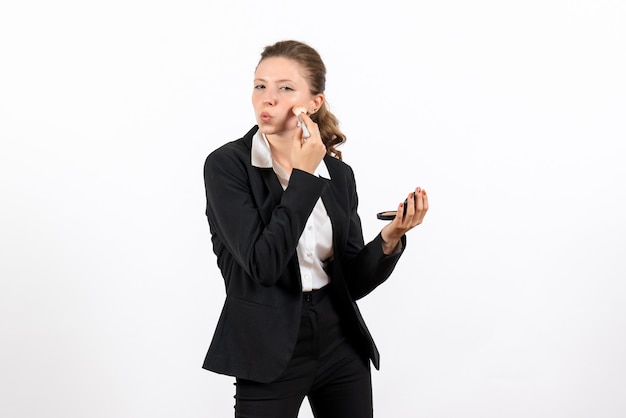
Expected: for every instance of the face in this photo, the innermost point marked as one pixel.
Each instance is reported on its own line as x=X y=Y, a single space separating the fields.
x=279 y=86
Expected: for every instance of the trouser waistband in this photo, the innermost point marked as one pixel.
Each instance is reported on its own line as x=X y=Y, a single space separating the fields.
x=315 y=295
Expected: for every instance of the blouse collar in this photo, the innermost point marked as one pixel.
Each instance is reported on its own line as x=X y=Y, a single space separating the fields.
x=262 y=156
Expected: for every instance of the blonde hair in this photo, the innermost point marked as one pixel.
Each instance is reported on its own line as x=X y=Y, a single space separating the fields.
x=315 y=73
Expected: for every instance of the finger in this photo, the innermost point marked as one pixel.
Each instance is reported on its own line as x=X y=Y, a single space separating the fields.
x=306 y=117
x=310 y=124
x=413 y=211
x=410 y=210
x=415 y=194
x=302 y=124
x=298 y=135
x=419 y=208
x=297 y=143
x=399 y=213
x=422 y=206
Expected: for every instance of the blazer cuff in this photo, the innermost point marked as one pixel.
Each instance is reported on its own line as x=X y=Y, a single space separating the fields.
x=397 y=252
x=313 y=184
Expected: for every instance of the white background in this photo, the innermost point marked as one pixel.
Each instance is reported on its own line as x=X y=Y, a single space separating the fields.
x=510 y=300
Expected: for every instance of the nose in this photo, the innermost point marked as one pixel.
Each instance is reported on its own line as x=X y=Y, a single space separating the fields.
x=269 y=98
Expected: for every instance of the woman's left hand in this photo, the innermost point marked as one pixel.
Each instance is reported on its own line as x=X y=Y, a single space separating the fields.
x=417 y=206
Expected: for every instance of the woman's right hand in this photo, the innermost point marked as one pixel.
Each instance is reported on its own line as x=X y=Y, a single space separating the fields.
x=307 y=153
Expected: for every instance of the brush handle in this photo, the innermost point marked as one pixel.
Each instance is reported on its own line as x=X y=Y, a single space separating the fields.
x=305 y=130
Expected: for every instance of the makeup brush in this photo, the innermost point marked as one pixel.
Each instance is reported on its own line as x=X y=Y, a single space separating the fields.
x=297 y=110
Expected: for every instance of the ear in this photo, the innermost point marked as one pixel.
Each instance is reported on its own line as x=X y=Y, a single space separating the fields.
x=316 y=103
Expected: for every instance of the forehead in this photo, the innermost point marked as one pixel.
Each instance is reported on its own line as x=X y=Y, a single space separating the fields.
x=280 y=68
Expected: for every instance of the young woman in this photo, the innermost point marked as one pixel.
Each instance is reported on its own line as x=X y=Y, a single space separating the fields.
x=282 y=211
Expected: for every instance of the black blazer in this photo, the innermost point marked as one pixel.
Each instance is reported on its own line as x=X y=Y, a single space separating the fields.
x=255 y=227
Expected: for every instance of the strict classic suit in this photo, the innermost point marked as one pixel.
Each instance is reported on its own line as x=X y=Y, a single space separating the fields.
x=255 y=226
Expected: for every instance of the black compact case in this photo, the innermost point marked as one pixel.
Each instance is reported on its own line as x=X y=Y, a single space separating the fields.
x=389 y=215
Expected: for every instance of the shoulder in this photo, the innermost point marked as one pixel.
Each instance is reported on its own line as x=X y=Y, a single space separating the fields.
x=338 y=168
x=233 y=151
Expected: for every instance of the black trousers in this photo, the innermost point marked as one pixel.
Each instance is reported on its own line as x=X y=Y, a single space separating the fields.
x=326 y=367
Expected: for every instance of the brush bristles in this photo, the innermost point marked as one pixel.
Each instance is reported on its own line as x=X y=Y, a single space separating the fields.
x=299 y=109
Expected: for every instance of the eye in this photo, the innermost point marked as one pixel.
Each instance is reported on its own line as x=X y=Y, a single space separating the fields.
x=287 y=88
x=259 y=87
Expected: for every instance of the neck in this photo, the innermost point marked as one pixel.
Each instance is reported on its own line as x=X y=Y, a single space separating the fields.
x=280 y=146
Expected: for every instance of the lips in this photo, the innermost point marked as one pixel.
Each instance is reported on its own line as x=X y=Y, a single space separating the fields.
x=265 y=117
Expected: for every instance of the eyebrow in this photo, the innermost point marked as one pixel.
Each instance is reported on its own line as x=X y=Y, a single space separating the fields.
x=277 y=81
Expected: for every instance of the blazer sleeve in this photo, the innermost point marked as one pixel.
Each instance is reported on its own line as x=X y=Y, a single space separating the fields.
x=234 y=190
x=366 y=266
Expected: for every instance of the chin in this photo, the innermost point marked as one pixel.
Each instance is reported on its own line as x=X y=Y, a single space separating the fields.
x=267 y=129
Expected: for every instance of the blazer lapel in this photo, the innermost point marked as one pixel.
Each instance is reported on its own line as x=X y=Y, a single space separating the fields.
x=337 y=217
x=268 y=194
